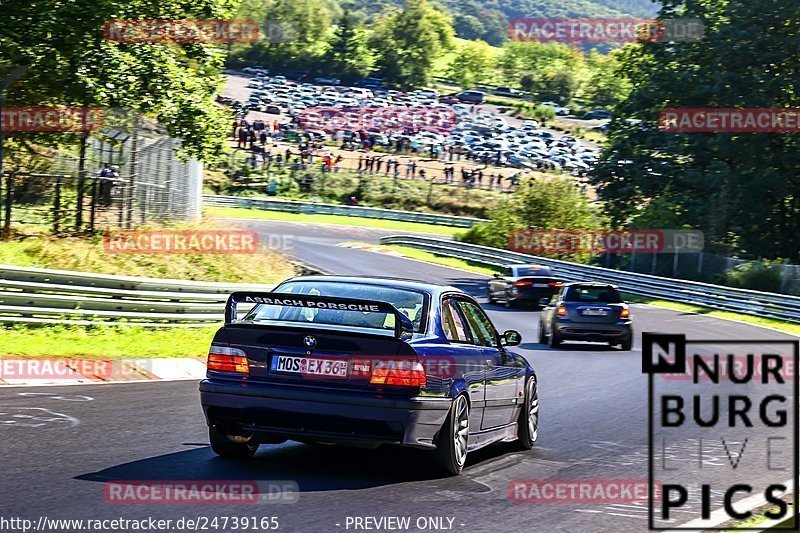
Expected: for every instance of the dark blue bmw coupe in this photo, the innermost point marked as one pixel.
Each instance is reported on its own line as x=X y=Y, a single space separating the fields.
x=366 y=361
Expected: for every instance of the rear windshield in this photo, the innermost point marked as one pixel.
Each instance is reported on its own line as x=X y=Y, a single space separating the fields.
x=411 y=303
x=592 y=294
x=533 y=271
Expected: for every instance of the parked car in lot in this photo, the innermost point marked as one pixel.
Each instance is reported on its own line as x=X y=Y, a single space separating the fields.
x=558 y=109
x=586 y=312
x=366 y=361
x=508 y=92
x=522 y=284
x=470 y=97
x=597 y=114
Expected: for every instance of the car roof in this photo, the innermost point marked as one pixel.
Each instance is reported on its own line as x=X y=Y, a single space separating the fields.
x=433 y=289
x=591 y=284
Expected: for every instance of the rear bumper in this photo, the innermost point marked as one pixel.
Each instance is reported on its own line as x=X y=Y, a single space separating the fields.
x=594 y=332
x=531 y=295
x=323 y=415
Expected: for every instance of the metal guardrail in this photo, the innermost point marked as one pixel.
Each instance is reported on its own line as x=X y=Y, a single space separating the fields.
x=291 y=206
x=42 y=296
x=762 y=304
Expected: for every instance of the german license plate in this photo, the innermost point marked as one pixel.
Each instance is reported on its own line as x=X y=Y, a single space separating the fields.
x=595 y=312
x=309 y=366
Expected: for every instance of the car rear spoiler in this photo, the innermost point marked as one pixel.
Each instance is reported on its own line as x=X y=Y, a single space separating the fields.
x=403 y=327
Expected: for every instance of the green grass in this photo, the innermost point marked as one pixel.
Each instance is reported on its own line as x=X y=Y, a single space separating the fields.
x=259 y=214
x=88 y=254
x=414 y=253
x=755 y=520
x=788 y=327
x=108 y=342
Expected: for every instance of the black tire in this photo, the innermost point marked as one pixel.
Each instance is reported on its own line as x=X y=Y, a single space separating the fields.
x=528 y=422
x=509 y=302
x=231 y=447
x=627 y=344
x=489 y=295
x=450 y=456
x=555 y=339
x=542 y=334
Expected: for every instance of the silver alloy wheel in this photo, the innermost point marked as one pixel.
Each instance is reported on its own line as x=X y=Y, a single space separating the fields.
x=533 y=409
x=461 y=430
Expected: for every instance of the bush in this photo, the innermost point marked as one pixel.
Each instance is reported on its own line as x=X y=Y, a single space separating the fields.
x=758 y=276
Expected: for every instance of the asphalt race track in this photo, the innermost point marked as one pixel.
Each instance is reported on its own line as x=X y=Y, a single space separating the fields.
x=62 y=444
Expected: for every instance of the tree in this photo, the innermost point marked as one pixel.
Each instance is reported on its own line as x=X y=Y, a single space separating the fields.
x=70 y=63
x=606 y=84
x=472 y=64
x=552 y=204
x=741 y=190
x=409 y=41
x=348 y=54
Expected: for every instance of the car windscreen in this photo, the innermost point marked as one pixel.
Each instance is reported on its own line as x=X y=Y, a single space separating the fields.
x=533 y=271
x=592 y=295
x=411 y=303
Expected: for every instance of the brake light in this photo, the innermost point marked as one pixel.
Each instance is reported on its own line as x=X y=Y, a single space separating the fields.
x=523 y=283
x=624 y=313
x=561 y=310
x=225 y=359
x=403 y=373
x=556 y=283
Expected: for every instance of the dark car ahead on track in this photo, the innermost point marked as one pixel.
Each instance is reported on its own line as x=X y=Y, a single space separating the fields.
x=522 y=284
x=586 y=312
x=366 y=361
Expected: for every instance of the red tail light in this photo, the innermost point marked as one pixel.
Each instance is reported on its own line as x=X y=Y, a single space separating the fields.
x=402 y=373
x=556 y=283
x=561 y=310
x=523 y=283
x=225 y=359
x=625 y=313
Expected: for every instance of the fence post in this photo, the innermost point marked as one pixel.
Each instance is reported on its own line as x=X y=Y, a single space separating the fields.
x=7 y=214
x=57 y=205
x=93 y=207
x=134 y=163
x=81 y=181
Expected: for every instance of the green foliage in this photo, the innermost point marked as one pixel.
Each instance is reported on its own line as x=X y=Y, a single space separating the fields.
x=741 y=190
x=606 y=84
x=69 y=62
x=408 y=41
x=758 y=276
x=554 y=204
x=348 y=54
x=472 y=64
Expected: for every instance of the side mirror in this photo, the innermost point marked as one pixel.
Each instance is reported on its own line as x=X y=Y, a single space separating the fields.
x=544 y=302
x=511 y=338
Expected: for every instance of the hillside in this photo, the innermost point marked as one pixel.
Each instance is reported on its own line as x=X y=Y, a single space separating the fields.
x=488 y=19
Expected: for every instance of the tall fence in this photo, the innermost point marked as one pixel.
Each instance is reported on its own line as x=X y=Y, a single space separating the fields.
x=119 y=176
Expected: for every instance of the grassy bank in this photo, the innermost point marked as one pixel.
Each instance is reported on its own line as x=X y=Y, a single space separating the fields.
x=259 y=214
x=108 y=342
x=88 y=254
